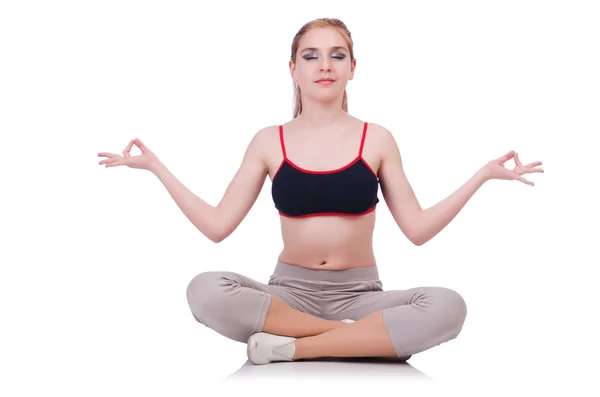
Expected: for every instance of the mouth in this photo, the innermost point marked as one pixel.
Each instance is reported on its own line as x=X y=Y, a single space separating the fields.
x=325 y=81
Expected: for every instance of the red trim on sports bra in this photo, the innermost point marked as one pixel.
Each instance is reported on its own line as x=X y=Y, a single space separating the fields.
x=327 y=213
x=362 y=142
x=369 y=167
x=323 y=172
x=281 y=141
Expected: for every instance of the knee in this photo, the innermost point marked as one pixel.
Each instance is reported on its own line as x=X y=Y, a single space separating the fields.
x=203 y=293
x=452 y=308
x=223 y=302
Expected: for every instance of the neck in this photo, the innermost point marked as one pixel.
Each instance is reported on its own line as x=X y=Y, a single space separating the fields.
x=320 y=115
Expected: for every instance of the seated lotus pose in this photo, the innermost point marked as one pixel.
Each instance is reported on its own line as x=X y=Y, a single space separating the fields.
x=324 y=297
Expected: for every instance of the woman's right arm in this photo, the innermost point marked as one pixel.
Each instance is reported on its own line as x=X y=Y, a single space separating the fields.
x=217 y=223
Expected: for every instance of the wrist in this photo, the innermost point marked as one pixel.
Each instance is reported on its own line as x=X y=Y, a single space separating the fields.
x=155 y=166
x=482 y=175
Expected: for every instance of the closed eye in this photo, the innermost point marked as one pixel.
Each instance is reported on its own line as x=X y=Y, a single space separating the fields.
x=336 y=56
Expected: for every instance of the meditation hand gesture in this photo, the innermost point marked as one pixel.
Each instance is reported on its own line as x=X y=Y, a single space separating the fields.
x=495 y=169
x=143 y=161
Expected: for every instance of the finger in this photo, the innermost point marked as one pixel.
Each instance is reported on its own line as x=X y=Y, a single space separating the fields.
x=116 y=158
x=521 y=179
x=128 y=149
x=139 y=144
x=530 y=170
x=113 y=157
x=517 y=161
x=534 y=164
x=507 y=156
x=114 y=163
x=106 y=154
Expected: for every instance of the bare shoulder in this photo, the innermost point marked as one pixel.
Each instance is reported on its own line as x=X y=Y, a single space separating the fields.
x=380 y=135
x=268 y=135
x=263 y=141
x=267 y=145
x=382 y=145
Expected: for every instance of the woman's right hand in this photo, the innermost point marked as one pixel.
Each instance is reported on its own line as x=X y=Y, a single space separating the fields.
x=144 y=161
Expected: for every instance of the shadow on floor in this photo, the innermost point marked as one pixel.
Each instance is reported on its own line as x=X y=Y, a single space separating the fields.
x=332 y=367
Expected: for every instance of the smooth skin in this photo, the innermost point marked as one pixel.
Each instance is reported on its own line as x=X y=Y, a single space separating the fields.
x=323 y=137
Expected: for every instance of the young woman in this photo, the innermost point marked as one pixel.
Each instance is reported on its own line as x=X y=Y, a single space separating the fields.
x=324 y=298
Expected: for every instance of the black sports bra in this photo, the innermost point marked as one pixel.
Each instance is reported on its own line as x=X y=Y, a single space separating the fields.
x=350 y=190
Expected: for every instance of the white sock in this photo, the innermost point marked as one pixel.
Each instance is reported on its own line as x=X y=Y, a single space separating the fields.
x=265 y=348
x=287 y=350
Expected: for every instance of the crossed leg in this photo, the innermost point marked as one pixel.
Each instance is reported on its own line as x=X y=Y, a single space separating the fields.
x=237 y=306
x=397 y=323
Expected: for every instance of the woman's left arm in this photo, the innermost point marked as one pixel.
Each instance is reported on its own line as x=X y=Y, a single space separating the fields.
x=421 y=225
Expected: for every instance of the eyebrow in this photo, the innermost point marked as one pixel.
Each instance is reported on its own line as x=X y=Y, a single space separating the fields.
x=316 y=49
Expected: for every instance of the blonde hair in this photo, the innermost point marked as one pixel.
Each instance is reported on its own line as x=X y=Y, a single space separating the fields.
x=319 y=23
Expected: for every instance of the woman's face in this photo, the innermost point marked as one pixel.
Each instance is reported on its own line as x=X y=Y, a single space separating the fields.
x=322 y=53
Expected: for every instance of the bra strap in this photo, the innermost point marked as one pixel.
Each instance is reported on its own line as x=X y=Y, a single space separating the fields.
x=362 y=142
x=281 y=141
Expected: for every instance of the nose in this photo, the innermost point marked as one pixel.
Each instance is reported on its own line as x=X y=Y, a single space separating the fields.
x=325 y=65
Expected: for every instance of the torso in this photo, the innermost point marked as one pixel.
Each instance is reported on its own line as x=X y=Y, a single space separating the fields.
x=326 y=242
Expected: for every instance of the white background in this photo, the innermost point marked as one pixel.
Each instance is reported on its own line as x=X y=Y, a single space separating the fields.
x=95 y=261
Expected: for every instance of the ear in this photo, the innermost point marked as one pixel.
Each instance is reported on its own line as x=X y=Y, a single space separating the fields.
x=292 y=70
x=352 y=68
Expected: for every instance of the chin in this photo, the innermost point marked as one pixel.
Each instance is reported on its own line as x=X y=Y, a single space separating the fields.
x=329 y=97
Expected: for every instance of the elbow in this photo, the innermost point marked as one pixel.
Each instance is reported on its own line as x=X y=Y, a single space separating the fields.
x=217 y=231
x=417 y=238
x=213 y=236
x=417 y=241
x=413 y=236
x=217 y=236
x=415 y=231
x=420 y=239
x=220 y=233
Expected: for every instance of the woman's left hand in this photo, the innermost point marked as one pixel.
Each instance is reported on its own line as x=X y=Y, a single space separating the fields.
x=495 y=169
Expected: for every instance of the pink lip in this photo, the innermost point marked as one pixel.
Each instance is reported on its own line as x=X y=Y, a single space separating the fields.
x=325 y=81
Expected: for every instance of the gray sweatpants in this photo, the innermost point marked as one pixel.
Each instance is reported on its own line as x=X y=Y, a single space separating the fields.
x=416 y=319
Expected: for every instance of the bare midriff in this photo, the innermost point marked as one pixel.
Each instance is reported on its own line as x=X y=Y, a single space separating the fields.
x=328 y=242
